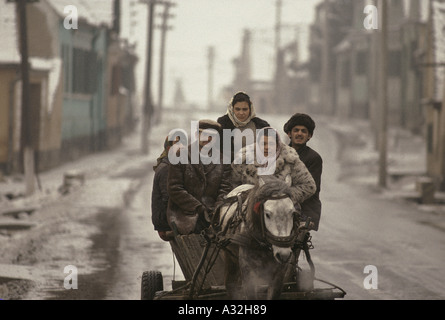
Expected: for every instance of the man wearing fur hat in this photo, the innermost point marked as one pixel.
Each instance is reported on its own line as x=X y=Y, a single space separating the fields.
x=300 y=129
x=195 y=188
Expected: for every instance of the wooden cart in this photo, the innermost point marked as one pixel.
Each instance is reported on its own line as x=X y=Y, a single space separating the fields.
x=203 y=268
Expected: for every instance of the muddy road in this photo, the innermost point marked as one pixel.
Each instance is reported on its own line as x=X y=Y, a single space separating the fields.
x=104 y=229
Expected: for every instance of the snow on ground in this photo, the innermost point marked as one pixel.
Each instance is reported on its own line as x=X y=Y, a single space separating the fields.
x=358 y=164
x=359 y=156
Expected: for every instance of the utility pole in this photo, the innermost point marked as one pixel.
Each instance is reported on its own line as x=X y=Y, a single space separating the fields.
x=325 y=74
x=164 y=28
x=383 y=94
x=147 y=110
x=278 y=5
x=27 y=138
x=211 y=59
x=277 y=76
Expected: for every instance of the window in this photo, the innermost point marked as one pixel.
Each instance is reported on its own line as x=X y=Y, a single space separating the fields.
x=66 y=68
x=361 y=63
x=346 y=74
x=429 y=138
x=83 y=76
x=394 y=63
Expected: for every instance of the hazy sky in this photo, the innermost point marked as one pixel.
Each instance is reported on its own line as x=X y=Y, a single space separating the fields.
x=198 y=24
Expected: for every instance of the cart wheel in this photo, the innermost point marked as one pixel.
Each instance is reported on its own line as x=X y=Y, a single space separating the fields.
x=151 y=283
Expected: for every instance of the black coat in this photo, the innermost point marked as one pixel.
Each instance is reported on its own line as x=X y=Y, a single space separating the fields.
x=226 y=123
x=159 y=197
x=314 y=163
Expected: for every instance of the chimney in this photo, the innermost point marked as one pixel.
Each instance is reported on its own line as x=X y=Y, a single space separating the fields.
x=415 y=10
x=117 y=16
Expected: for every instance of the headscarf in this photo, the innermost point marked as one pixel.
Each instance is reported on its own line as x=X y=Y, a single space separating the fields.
x=248 y=154
x=237 y=123
x=278 y=141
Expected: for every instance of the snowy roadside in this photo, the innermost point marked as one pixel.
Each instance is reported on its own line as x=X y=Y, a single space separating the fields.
x=63 y=224
x=91 y=166
x=112 y=176
x=359 y=159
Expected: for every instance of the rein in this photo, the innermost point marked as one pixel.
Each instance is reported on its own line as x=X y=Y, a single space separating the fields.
x=249 y=239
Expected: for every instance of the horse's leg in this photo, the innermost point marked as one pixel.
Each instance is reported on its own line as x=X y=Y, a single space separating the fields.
x=276 y=284
x=251 y=267
x=232 y=273
x=249 y=283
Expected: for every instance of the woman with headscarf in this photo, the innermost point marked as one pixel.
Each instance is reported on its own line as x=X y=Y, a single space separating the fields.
x=241 y=115
x=269 y=156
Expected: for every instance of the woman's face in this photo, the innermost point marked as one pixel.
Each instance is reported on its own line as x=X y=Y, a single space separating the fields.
x=268 y=146
x=241 y=110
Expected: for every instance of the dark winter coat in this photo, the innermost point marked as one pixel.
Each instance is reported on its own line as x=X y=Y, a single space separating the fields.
x=226 y=123
x=314 y=163
x=193 y=187
x=159 y=197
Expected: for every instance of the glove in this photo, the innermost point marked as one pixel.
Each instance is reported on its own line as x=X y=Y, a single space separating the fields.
x=166 y=235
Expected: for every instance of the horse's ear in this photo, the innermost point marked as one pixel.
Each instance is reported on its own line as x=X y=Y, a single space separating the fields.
x=261 y=181
x=288 y=180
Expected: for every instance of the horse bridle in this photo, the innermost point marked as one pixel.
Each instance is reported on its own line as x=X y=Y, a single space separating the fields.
x=249 y=238
x=283 y=242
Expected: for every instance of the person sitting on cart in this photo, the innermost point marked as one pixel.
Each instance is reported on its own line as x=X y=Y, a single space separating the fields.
x=159 y=195
x=269 y=156
x=300 y=129
x=195 y=189
x=241 y=115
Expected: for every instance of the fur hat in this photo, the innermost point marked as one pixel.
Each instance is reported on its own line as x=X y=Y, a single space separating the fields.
x=300 y=119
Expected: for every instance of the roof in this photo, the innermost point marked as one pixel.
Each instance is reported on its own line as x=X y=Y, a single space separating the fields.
x=101 y=13
x=8 y=33
x=96 y=13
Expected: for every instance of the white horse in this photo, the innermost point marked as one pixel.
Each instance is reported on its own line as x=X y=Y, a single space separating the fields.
x=262 y=230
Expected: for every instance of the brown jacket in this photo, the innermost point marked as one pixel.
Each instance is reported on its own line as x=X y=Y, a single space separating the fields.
x=192 y=187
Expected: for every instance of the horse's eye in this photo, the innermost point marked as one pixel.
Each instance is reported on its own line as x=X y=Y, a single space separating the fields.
x=267 y=215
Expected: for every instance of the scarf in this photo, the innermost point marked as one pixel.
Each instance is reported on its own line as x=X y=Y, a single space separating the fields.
x=237 y=123
x=277 y=151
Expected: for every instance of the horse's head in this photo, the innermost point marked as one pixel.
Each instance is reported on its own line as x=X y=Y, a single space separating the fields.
x=276 y=215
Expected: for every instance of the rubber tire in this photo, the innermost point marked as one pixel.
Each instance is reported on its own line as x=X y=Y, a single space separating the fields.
x=151 y=283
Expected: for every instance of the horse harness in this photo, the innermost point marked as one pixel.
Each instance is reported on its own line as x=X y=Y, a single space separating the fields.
x=249 y=239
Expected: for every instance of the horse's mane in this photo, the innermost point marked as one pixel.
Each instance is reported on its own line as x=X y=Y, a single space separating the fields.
x=272 y=187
